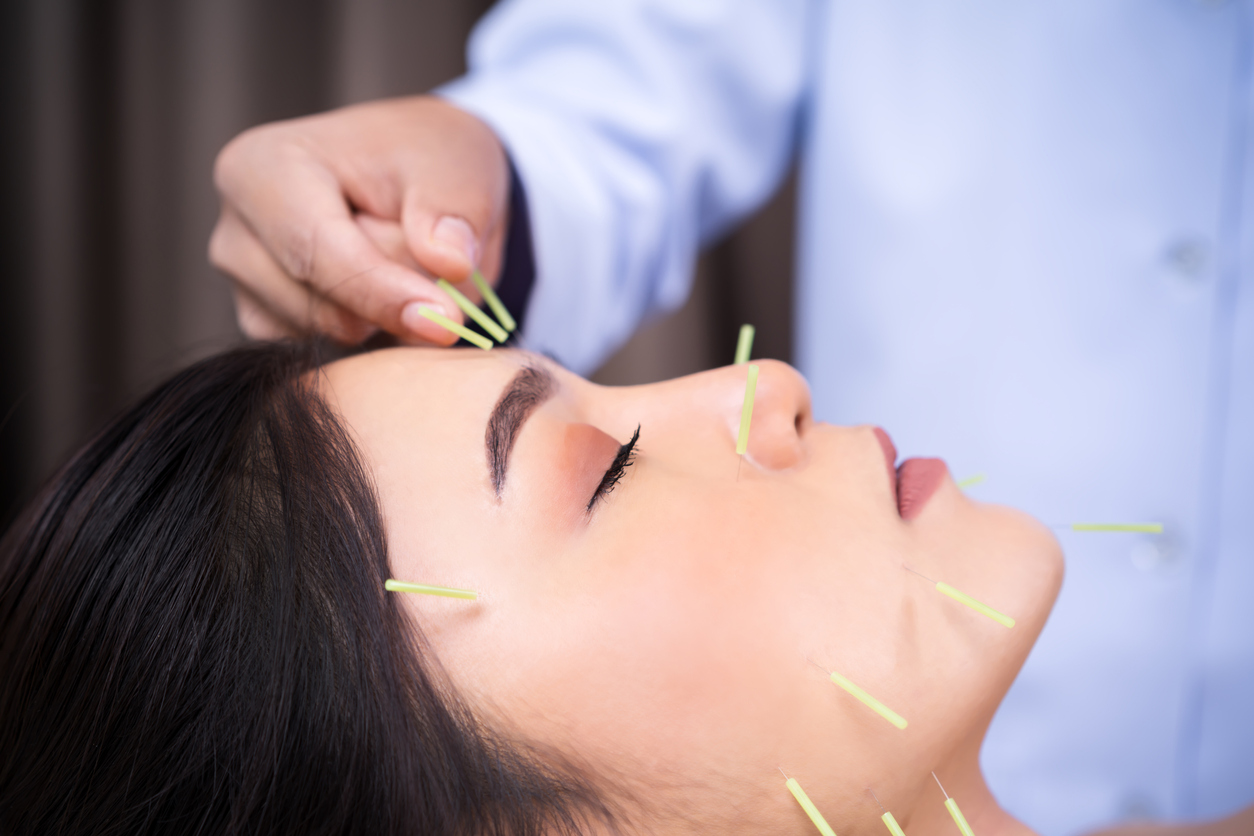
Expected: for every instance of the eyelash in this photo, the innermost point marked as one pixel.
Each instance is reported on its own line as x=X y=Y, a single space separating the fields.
x=624 y=459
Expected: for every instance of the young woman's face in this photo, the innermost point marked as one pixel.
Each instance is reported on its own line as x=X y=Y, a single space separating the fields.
x=672 y=634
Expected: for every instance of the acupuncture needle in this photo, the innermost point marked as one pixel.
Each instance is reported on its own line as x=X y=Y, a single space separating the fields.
x=954 y=812
x=887 y=818
x=963 y=598
x=863 y=697
x=392 y=585
x=746 y=415
x=806 y=804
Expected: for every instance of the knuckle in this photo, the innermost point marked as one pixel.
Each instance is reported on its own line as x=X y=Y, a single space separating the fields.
x=299 y=252
x=253 y=321
x=233 y=161
x=343 y=326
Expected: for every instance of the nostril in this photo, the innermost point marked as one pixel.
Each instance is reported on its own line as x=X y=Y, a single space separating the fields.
x=803 y=418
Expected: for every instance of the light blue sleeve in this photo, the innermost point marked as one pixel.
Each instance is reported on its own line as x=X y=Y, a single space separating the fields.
x=641 y=129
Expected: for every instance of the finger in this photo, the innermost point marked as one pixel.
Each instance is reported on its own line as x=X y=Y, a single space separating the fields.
x=255 y=321
x=451 y=243
x=276 y=302
x=454 y=213
x=388 y=237
x=299 y=214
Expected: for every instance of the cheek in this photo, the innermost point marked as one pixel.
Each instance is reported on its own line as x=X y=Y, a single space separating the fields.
x=674 y=649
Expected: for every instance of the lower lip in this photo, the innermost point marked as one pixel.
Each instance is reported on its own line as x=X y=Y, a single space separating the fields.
x=917 y=481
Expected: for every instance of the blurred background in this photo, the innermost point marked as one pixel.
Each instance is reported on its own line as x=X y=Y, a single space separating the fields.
x=112 y=114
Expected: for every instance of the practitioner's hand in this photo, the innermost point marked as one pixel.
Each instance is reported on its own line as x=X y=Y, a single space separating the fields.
x=339 y=223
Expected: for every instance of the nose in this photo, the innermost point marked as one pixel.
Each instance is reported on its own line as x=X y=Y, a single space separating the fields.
x=781 y=411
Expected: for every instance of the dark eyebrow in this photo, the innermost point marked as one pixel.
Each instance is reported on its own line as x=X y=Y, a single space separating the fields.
x=532 y=386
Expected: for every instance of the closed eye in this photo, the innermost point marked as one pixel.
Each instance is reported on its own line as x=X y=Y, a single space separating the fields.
x=622 y=460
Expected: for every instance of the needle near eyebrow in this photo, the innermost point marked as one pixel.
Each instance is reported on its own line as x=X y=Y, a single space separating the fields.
x=460 y=330
x=494 y=301
x=472 y=310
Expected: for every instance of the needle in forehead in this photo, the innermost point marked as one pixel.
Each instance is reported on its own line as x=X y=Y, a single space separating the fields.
x=939 y=784
x=877 y=801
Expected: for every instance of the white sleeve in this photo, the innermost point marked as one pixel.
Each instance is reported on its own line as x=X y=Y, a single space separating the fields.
x=640 y=129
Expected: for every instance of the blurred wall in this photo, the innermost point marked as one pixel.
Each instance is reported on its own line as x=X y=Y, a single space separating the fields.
x=112 y=113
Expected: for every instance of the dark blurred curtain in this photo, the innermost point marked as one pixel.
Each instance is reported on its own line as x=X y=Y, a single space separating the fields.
x=112 y=114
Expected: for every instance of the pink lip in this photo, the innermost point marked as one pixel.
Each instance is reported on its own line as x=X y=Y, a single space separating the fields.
x=890 y=455
x=917 y=480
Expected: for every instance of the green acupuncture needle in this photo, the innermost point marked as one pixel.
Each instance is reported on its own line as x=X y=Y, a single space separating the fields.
x=866 y=699
x=954 y=812
x=460 y=330
x=889 y=821
x=963 y=598
x=472 y=310
x=808 y=805
x=1142 y=528
x=972 y=480
x=746 y=411
x=744 y=345
x=423 y=589
x=494 y=301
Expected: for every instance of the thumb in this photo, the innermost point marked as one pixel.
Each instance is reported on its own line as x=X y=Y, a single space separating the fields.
x=453 y=228
x=451 y=249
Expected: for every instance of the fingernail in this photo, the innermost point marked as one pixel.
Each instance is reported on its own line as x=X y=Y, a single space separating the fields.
x=419 y=325
x=455 y=234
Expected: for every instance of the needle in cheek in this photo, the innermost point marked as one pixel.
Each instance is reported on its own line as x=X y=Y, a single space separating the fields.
x=392 y=585
x=963 y=598
x=855 y=691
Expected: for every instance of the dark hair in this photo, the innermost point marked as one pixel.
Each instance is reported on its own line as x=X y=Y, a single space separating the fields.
x=195 y=638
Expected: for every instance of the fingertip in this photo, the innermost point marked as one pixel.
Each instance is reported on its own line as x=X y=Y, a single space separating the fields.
x=419 y=326
x=448 y=248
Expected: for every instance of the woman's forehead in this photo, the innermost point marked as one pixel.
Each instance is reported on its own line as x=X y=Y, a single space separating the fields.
x=441 y=380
